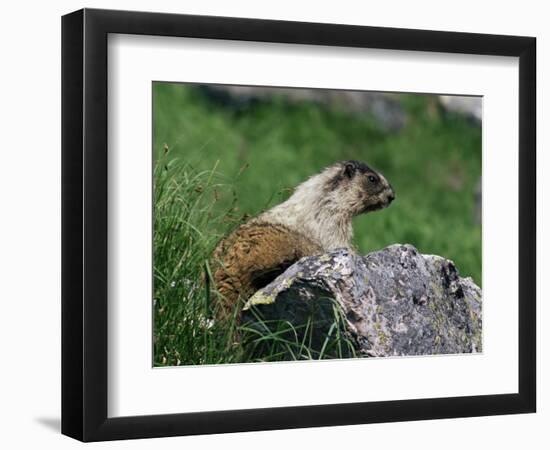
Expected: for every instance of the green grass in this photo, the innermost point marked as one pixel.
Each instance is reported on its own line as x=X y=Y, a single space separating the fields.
x=216 y=166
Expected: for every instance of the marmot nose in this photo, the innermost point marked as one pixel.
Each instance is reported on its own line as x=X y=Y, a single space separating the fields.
x=391 y=198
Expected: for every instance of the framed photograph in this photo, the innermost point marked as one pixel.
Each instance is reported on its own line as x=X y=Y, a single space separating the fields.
x=273 y=224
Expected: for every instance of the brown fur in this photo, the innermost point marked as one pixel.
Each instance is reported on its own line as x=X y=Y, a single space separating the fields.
x=253 y=255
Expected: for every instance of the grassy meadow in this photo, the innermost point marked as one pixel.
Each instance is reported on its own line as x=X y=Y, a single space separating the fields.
x=216 y=165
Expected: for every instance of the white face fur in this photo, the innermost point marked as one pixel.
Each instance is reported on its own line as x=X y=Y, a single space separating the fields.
x=322 y=207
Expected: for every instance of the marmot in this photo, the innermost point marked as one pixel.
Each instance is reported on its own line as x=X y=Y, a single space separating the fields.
x=316 y=218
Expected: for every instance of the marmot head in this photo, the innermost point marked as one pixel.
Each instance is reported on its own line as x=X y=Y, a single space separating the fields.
x=361 y=188
x=321 y=208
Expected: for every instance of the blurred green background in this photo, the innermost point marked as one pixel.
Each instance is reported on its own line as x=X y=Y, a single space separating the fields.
x=264 y=148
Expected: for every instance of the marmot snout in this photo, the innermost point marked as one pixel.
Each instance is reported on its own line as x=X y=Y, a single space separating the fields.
x=316 y=218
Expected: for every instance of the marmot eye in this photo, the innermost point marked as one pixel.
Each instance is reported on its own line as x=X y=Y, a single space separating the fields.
x=372 y=179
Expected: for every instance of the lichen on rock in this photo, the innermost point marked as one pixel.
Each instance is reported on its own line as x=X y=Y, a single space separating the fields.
x=394 y=302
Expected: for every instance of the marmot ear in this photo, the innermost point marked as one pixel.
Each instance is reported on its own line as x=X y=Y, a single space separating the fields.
x=349 y=169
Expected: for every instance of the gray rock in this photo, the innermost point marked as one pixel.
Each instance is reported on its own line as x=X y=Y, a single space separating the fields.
x=393 y=302
x=384 y=108
x=469 y=106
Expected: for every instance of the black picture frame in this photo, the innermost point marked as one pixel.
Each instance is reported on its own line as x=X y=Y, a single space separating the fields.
x=84 y=224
